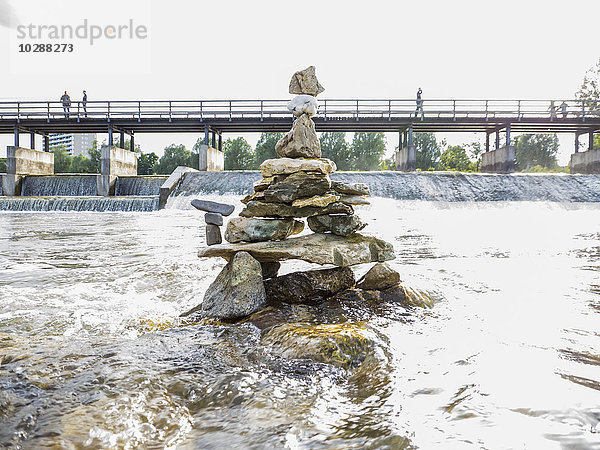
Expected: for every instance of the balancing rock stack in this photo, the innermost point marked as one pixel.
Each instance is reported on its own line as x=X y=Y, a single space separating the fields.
x=294 y=186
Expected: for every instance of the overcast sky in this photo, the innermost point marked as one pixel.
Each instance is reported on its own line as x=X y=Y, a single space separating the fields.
x=367 y=49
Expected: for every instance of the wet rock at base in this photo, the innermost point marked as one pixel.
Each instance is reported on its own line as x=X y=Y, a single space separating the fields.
x=314 y=248
x=213 y=235
x=339 y=224
x=213 y=219
x=350 y=188
x=311 y=286
x=264 y=209
x=341 y=345
x=214 y=207
x=238 y=290
x=305 y=82
x=297 y=185
x=286 y=166
x=301 y=141
x=257 y=230
x=381 y=276
x=303 y=104
x=270 y=269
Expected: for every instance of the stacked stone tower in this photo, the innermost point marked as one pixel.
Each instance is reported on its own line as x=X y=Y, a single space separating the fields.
x=295 y=186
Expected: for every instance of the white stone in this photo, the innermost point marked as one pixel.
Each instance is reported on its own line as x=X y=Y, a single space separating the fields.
x=303 y=104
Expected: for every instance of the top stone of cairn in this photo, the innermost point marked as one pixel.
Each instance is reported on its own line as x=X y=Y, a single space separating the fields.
x=305 y=82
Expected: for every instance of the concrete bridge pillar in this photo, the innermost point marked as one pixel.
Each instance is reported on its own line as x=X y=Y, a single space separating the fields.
x=114 y=162
x=21 y=162
x=501 y=160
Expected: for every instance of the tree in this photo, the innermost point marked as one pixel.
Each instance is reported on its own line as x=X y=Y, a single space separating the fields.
x=335 y=147
x=174 y=155
x=535 y=150
x=590 y=87
x=95 y=155
x=475 y=151
x=62 y=160
x=80 y=164
x=3 y=165
x=427 y=151
x=238 y=154
x=146 y=163
x=455 y=158
x=366 y=150
x=265 y=147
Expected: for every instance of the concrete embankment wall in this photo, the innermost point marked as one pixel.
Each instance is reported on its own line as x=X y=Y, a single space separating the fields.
x=501 y=160
x=586 y=162
x=210 y=159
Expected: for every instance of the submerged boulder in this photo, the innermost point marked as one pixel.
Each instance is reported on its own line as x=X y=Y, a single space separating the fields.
x=341 y=345
x=314 y=248
x=312 y=286
x=381 y=276
x=339 y=224
x=257 y=230
x=238 y=290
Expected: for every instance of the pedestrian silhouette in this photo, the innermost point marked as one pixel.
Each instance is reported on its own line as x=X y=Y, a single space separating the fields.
x=563 y=109
x=419 y=104
x=66 y=102
x=84 y=103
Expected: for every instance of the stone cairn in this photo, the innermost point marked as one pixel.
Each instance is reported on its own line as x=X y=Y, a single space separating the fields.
x=294 y=186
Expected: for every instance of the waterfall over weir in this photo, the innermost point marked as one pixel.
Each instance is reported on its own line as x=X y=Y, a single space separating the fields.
x=429 y=186
x=59 y=185
x=139 y=185
x=99 y=204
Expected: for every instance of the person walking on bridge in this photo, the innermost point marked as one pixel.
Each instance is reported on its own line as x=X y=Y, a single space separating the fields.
x=66 y=102
x=419 y=104
x=563 y=109
x=84 y=103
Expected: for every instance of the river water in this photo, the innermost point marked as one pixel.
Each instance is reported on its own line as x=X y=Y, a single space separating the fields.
x=94 y=354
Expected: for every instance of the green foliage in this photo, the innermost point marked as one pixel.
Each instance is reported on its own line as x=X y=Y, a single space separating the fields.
x=146 y=163
x=590 y=87
x=455 y=158
x=238 y=154
x=366 y=151
x=62 y=160
x=3 y=165
x=427 y=151
x=335 y=147
x=175 y=155
x=387 y=164
x=542 y=169
x=265 y=147
x=535 y=149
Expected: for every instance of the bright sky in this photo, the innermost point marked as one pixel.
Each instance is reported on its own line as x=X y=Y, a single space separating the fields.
x=249 y=49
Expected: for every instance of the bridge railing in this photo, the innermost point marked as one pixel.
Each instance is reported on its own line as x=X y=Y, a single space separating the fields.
x=329 y=109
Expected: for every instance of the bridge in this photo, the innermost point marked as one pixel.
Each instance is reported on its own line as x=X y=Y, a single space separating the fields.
x=240 y=116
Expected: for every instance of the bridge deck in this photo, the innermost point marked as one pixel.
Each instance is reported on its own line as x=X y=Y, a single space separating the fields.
x=237 y=116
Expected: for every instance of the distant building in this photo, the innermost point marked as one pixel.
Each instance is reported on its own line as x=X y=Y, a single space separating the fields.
x=74 y=144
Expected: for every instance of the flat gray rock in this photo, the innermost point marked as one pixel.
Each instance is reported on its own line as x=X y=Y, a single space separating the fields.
x=314 y=248
x=311 y=286
x=264 y=209
x=350 y=188
x=213 y=207
x=238 y=290
x=286 y=166
x=340 y=224
x=213 y=219
x=213 y=235
x=257 y=230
